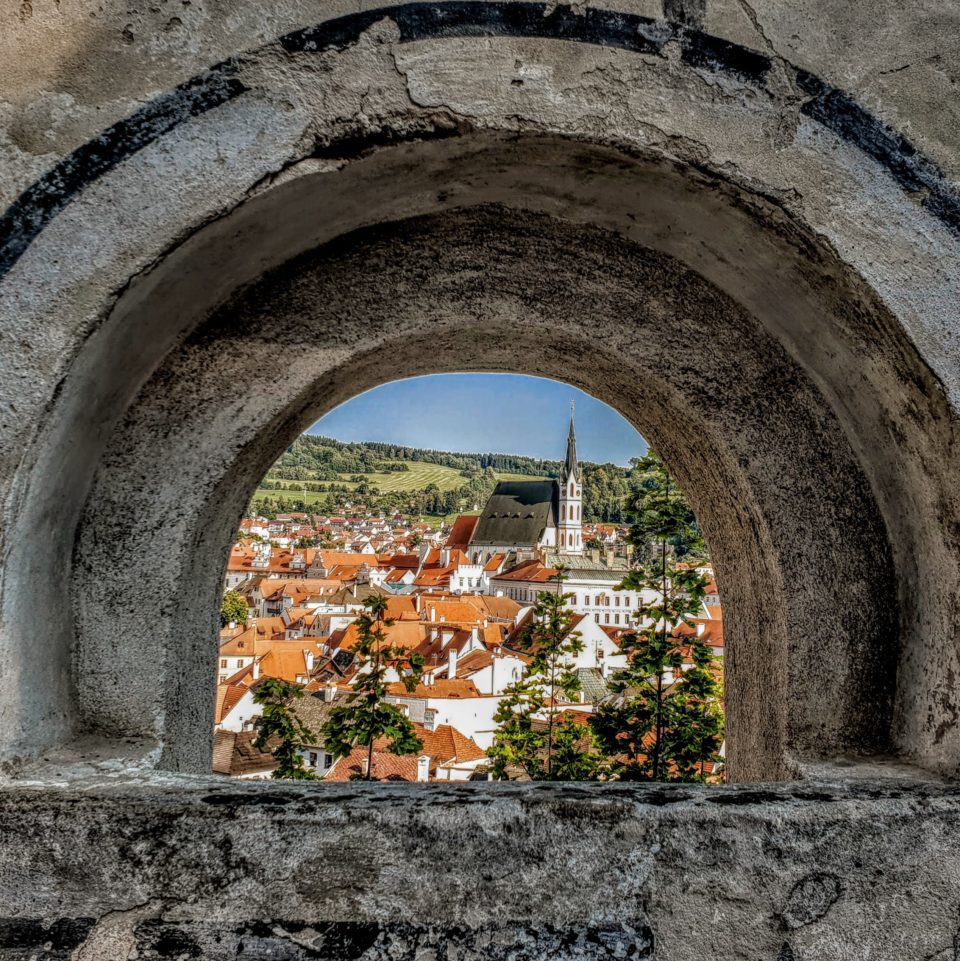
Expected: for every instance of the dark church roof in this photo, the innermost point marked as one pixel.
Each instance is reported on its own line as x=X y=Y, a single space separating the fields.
x=517 y=513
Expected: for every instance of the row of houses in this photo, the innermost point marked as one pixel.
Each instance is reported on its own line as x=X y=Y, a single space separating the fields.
x=304 y=631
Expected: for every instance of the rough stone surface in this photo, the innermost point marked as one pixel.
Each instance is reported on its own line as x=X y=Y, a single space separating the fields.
x=390 y=189
x=214 y=869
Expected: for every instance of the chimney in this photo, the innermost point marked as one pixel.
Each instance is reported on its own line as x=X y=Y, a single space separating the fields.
x=474 y=634
x=609 y=557
x=256 y=669
x=310 y=660
x=232 y=625
x=423 y=769
x=595 y=555
x=416 y=602
x=452 y=662
x=433 y=613
x=364 y=766
x=329 y=693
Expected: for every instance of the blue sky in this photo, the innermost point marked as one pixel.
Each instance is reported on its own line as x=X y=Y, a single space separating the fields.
x=478 y=413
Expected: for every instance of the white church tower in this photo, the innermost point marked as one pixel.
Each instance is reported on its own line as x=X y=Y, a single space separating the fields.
x=569 y=523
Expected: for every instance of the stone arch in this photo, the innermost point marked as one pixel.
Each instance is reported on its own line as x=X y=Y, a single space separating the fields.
x=464 y=295
x=375 y=120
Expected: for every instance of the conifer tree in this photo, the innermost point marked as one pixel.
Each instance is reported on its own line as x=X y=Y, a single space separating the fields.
x=530 y=736
x=664 y=722
x=279 y=720
x=366 y=716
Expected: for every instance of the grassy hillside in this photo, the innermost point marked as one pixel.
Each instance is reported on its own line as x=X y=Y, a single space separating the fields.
x=416 y=478
x=415 y=481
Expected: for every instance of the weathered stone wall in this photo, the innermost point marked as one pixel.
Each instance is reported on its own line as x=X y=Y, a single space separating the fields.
x=736 y=222
x=521 y=871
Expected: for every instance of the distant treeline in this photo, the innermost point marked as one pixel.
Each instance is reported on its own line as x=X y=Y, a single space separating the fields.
x=320 y=463
x=311 y=457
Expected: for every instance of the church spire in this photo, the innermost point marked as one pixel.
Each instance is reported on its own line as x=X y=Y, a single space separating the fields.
x=571 y=468
x=570 y=502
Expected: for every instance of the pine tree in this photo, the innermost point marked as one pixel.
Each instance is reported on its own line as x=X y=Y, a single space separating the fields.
x=279 y=722
x=366 y=716
x=664 y=723
x=552 y=749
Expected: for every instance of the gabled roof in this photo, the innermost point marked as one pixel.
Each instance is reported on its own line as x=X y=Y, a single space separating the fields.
x=385 y=767
x=462 y=531
x=458 y=687
x=532 y=571
x=517 y=513
x=228 y=695
x=502 y=608
x=234 y=753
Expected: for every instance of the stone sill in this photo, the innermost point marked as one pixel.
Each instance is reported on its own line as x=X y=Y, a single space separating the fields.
x=822 y=865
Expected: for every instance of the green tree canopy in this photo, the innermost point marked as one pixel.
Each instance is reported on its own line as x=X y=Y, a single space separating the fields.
x=530 y=735
x=280 y=731
x=233 y=608
x=665 y=720
x=366 y=716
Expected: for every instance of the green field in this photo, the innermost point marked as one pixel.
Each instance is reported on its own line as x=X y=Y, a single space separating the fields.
x=418 y=477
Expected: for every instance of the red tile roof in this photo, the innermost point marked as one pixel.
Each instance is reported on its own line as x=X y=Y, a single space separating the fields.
x=462 y=531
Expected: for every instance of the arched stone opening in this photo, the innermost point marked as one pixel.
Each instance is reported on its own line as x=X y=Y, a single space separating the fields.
x=780 y=494
x=834 y=237
x=845 y=394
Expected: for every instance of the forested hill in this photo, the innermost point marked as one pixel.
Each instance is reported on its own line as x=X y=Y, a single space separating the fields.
x=321 y=469
x=323 y=458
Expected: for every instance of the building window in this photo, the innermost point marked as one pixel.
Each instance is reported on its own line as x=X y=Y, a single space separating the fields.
x=616 y=618
x=327 y=761
x=314 y=759
x=596 y=617
x=223 y=662
x=606 y=618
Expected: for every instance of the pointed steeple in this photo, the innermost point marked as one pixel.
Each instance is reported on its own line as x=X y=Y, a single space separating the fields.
x=571 y=469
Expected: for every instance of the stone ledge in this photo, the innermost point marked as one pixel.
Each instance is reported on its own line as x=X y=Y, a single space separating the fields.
x=204 y=867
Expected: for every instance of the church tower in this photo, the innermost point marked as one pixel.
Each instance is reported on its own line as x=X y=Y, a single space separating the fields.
x=569 y=523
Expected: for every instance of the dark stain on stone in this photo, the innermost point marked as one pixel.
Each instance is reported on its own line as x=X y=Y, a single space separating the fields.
x=810 y=899
x=394 y=941
x=257 y=799
x=25 y=936
x=346 y=940
x=712 y=53
x=737 y=798
x=786 y=952
x=916 y=174
x=661 y=798
x=818 y=796
x=44 y=199
x=167 y=940
x=349 y=148
x=686 y=13
x=837 y=110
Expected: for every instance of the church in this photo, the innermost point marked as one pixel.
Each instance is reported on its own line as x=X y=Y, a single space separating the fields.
x=524 y=518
